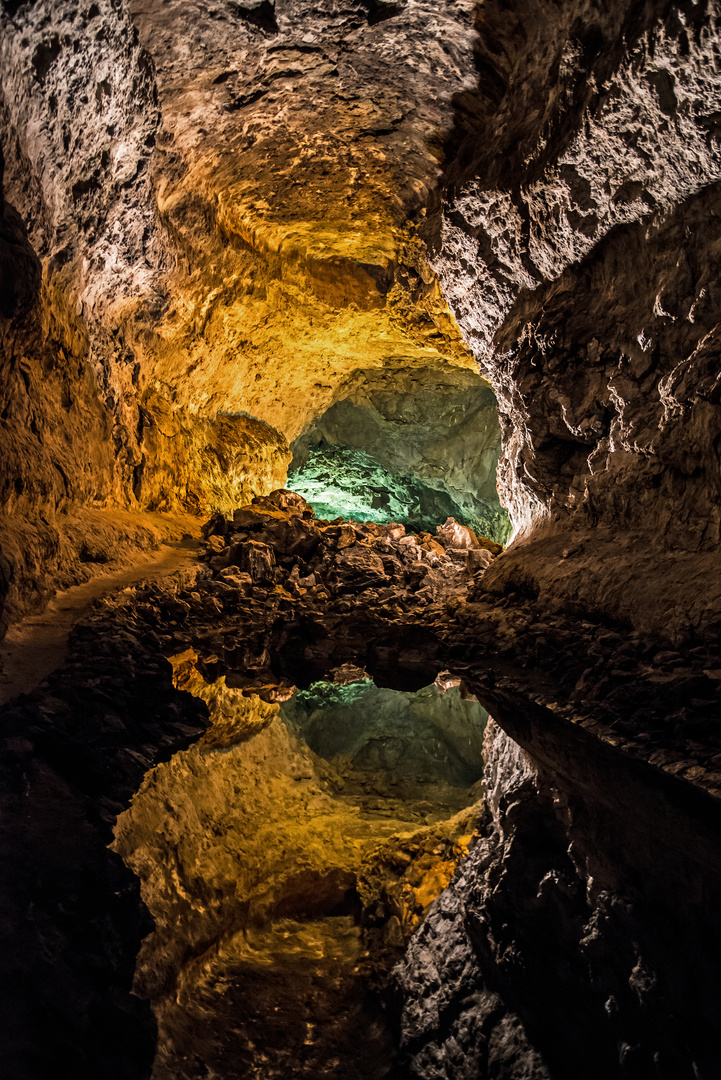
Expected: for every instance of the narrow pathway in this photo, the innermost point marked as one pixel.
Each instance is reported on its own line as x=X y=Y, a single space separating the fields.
x=38 y=644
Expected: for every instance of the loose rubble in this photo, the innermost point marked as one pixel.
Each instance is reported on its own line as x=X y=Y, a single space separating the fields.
x=277 y=542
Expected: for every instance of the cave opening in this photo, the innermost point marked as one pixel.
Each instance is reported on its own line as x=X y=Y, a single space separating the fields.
x=414 y=446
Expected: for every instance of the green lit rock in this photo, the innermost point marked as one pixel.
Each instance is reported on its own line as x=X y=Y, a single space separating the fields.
x=413 y=445
x=341 y=482
x=431 y=736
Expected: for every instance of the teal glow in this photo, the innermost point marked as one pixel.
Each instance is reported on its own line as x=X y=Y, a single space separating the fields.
x=340 y=482
x=424 y=736
x=323 y=695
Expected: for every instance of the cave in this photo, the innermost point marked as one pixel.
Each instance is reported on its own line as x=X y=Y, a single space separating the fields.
x=360 y=589
x=415 y=447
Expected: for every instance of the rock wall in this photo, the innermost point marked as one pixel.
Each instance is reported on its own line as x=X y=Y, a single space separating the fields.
x=210 y=249
x=568 y=942
x=217 y=273
x=576 y=242
x=56 y=434
x=226 y=209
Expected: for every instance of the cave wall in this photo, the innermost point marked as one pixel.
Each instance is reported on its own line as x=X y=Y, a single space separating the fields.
x=238 y=209
x=575 y=239
x=580 y=936
x=49 y=408
x=205 y=268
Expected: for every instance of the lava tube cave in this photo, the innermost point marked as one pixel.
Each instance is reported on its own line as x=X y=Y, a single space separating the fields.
x=360 y=513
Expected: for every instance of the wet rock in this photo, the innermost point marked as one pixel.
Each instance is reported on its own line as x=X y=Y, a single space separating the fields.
x=539 y=671
x=239 y=579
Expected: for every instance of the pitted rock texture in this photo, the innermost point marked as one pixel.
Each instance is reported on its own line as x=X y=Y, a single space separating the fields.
x=230 y=210
x=289 y=201
x=248 y=216
x=576 y=242
x=58 y=521
x=222 y=253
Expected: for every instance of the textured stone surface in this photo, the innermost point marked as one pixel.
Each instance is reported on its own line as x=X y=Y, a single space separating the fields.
x=576 y=245
x=438 y=428
x=227 y=208
x=559 y=908
x=344 y=483
x=216 y=262
x=221 y=252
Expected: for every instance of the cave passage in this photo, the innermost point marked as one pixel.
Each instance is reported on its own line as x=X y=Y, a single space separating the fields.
x=415 y=448
x=286 y=859
x=397 y=256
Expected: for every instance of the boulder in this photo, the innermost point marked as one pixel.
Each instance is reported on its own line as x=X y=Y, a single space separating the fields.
x=232 y=575
x=216 y=526
x=479 y=559
x=255 y=559
x=286 y=500
x=454 y=535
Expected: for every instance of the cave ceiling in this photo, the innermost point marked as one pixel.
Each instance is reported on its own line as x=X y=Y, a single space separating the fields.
x=238 y=200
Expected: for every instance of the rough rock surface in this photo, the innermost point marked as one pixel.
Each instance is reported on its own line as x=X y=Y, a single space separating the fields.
x=214 y=216
x=214 y=265
x=208 y=247
x=558 y=891
x=439 y=428
x=577 y=245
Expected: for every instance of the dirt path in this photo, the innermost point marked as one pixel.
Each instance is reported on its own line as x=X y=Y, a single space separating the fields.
x=38 y=645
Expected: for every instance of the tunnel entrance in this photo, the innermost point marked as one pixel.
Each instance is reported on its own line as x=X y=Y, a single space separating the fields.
x=416 y=446
x=289 y=856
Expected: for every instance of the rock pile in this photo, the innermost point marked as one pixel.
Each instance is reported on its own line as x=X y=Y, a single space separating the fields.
x=277 y=543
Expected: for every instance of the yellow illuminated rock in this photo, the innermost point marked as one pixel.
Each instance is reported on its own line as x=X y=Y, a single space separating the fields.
x=255 y=858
